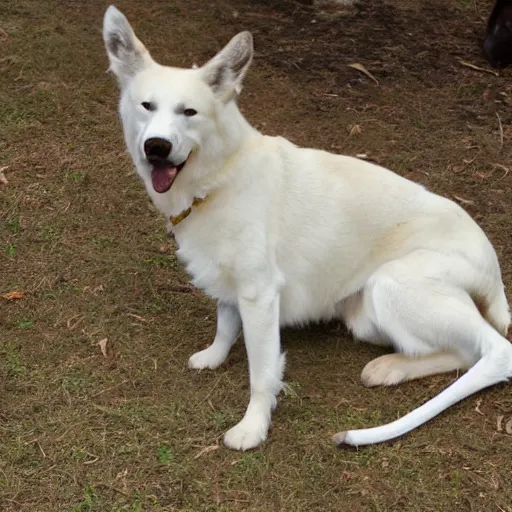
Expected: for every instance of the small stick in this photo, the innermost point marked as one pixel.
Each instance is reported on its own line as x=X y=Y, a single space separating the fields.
x=501 y=129
x=476 y=68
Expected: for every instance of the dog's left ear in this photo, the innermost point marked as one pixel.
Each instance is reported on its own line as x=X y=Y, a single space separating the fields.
x=127 y=55
x=225 y=72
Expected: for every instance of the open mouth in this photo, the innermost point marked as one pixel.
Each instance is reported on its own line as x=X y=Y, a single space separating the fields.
x=164 y=173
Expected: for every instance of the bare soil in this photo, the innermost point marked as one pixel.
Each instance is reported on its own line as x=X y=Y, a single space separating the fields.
x=135 y=430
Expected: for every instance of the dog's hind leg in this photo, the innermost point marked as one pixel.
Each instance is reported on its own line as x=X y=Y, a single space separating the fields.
x=392 y=369
x=423 y=317
x=229 y=325
x=353 y=311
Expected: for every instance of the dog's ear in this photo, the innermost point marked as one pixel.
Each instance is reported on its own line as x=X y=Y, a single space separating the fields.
x=127 y=55
x=225 y=72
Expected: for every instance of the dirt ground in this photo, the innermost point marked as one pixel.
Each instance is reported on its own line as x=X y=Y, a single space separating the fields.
x=134 y=429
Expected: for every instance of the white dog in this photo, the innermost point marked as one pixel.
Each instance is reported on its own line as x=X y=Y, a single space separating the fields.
x=283 y=235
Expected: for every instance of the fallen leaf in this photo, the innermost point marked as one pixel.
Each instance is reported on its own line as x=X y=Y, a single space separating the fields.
x=355 y=129
x=477 y=408
x=508 y=426
x=363 y=70
x=14 y=295
x=206 y=450
x=499 y=423
x=103 y=346
x=3 y=179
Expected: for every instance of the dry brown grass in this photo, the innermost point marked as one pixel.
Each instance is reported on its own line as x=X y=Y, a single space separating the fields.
x=81 y=431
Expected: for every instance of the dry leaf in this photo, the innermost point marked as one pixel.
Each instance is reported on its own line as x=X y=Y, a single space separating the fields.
x=14 y=295
x=355 y=129
x=3 y=179
x=206 y=450
x=499 y=425
x=363 y=70
x=362 y=156
x=477 y=408
x=103 y=346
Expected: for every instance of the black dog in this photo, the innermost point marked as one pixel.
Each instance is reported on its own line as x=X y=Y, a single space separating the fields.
x=498 y=39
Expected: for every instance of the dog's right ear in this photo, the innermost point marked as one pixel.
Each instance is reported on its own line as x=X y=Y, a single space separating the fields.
x=225 y=72
x=127 y=55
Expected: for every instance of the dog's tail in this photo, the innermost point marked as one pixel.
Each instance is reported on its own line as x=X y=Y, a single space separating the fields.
x=494 y=366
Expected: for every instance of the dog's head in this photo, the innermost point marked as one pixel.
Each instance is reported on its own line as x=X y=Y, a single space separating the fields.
x=171 y=114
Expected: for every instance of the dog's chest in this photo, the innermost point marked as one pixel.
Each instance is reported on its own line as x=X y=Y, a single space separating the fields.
x=209 y=262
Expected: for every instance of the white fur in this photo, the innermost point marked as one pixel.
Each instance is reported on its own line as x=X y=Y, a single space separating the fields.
x=289 y=235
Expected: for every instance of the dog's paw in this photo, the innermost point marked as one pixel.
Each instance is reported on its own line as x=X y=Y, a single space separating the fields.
x=387 y=370
x=208 y=358
x=245 y=435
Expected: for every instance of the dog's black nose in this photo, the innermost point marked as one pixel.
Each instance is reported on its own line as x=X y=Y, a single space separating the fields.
x=157 y=147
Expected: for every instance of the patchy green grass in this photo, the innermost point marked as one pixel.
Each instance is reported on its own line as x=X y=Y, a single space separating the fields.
x=11 y=360
x=10 y=249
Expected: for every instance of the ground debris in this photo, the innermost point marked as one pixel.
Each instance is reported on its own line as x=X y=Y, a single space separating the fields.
x=14 y=295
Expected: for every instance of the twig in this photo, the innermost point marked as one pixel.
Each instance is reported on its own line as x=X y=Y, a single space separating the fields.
x=206 y=450
x=476 y=68
x=501 y=129
x=137 y=317
x=110 y=389
x=106 y=486
x=505 y=170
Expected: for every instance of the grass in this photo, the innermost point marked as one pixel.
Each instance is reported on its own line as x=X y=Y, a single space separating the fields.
x=164 y=454
x=12 y=360
x=10 y=249
x=135 y=430
x=164 y=262
x=25 y=324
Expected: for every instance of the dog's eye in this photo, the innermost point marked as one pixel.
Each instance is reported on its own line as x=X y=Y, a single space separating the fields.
x=189 y=112
x=148 y=106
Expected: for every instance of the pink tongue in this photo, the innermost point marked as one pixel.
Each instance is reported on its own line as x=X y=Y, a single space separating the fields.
x=162 y=178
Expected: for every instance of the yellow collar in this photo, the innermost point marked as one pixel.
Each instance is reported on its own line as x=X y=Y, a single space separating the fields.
x=185 y=213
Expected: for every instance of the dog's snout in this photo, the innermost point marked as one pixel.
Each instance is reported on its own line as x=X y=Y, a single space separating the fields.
x=157 y=147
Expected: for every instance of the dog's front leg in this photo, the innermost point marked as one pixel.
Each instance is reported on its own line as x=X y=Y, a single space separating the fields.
x=260 y=319
x=229 y=325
